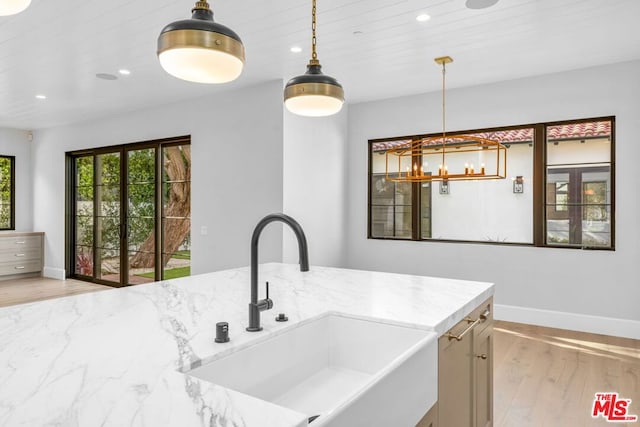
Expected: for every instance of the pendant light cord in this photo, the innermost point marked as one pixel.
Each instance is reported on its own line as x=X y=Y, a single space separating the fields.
x=314 y=54
x=443 y=101
x=444 y=72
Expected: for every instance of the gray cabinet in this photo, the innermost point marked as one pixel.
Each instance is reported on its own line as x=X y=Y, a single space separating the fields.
x=21 y=254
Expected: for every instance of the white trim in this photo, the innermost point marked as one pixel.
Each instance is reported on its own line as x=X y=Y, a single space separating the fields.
x=54 y=273
x=573 y=321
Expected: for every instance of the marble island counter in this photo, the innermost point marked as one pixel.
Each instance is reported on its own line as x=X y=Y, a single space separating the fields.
x=114 y=358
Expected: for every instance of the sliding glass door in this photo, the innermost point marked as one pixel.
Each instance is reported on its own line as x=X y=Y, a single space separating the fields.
x=141 y=215
x=130 y=213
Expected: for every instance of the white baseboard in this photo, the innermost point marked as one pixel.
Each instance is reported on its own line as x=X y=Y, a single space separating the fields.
x=54 y=273
x=573 y=321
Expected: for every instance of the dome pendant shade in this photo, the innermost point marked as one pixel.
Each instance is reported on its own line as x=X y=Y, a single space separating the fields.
x=313 y=94
x=201 y=50
x=11 y=7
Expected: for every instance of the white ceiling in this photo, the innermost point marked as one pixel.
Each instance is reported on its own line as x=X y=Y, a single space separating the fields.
x=57 y=47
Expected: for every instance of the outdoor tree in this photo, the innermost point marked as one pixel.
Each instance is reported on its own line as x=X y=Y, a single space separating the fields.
x=176 y=189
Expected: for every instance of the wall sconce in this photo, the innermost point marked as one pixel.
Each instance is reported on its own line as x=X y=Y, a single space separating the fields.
x=444 y=187
x=518 y=184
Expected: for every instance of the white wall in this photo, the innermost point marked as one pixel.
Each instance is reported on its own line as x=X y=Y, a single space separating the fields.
x=314 y=185
x=564 y=285
x=14 y=142
x=236 y=149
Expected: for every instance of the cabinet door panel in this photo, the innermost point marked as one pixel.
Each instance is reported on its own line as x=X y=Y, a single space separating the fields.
x=455 y=390
x=483 y=359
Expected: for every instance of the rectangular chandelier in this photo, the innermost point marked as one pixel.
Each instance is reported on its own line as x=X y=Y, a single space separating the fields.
x=446 y=158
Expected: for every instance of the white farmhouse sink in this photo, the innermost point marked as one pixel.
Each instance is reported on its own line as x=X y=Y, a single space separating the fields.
x=350 y=371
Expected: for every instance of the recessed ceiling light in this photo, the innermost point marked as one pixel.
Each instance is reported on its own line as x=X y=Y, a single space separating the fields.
x=106 y=76
x=41 y=96
x=124 y=72
x=423 y=17
x=480 y=4
x=296 y=49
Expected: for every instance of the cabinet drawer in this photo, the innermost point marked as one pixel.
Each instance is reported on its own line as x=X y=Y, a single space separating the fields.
x=22 y=242
x=20 y=254
x=483 y=313
x=32 y=266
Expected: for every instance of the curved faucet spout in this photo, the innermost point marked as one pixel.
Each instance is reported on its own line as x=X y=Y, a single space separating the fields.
x=255 y=306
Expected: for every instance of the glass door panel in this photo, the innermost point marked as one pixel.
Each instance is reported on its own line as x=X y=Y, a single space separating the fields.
x=176 y=248
x=596 y=207
x=425 y=209
x=83 y=215
x=108 y=222
x=176 y=211
x=6 y=196
x=141 y=214
x=579 y=206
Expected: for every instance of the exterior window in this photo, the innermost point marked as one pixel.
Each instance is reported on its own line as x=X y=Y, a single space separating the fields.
x=579 y=169
x=482 y=210
x=7 y=193
x=564 y=196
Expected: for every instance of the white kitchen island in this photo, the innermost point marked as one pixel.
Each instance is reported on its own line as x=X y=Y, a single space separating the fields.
x=114 y=358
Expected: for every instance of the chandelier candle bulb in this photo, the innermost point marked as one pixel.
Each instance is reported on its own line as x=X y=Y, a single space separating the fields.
x=466 y=168
x=471 y=169
x=482 y=169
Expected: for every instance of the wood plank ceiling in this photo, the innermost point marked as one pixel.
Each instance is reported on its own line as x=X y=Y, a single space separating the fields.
x=375 y=48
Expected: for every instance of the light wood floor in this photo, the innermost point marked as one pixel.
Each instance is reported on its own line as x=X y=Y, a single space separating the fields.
x=543 y=377
x=548 y=377
x=19 y=291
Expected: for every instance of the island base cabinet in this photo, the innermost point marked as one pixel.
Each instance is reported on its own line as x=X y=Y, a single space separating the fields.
x=465 y=373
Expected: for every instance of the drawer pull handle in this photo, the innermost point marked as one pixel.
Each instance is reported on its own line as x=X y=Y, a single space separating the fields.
x=19 y=267
x=481 y=356
x=20 y=242
x=483 y=317
x=19 y=255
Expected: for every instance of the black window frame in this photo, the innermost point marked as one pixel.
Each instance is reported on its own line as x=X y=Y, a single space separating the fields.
x=539 y=185
x=12 y=196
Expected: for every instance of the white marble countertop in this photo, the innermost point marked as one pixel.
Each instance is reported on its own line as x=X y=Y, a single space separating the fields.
x=111 y=358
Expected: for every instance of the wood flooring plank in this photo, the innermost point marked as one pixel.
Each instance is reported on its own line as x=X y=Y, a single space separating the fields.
x=548 y=377
x=512 y=372
x=20 y=291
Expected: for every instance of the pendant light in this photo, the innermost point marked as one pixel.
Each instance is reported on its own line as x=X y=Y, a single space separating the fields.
x=201 y=50
x=11 y=7
x=446 y=157
x=313 y=93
